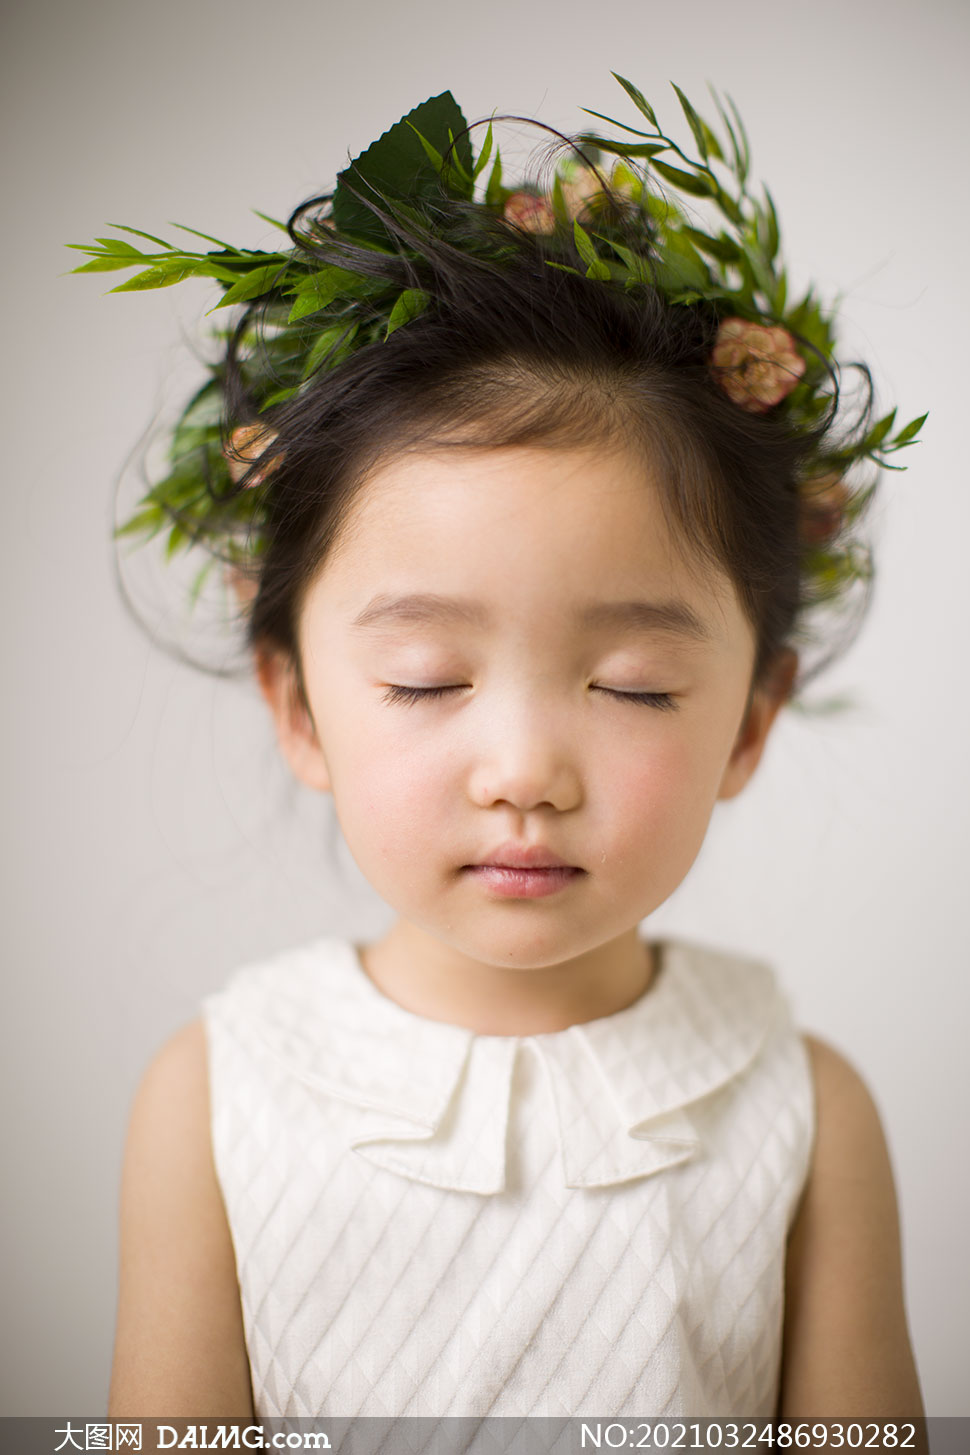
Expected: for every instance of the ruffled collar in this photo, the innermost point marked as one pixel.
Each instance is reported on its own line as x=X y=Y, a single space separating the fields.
x=430 y=1100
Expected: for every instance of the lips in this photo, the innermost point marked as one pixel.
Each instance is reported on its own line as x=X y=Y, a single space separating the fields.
x=522 y=856
x=503 y=882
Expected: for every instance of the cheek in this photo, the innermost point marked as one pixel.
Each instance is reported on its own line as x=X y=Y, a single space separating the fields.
x=389 y=789
x=667 y=790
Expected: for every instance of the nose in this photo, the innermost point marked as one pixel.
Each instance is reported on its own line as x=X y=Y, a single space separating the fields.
x=524 y=757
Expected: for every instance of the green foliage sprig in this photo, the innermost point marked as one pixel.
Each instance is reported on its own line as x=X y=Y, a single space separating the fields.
x=690 y=226
x=736 y=266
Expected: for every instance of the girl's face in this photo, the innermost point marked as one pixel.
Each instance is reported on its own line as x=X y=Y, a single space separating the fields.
x=474 y=655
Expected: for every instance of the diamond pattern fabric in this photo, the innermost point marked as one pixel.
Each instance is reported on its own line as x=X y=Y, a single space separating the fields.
x=428 y=1221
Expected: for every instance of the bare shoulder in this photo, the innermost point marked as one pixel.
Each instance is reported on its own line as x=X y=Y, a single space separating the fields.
x=179 y=1343
x=846 y=1345
x=177 y=1075
x=847 y=1117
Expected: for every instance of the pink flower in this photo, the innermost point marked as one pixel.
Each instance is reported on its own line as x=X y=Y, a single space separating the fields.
x=247 y=443
x=531 y=213
x=756 y=366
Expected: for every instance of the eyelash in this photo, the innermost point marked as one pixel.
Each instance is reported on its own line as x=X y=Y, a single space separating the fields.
x=664 y=701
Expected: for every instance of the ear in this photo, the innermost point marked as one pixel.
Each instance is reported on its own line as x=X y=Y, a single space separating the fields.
x=766 y=702
x=295 y=727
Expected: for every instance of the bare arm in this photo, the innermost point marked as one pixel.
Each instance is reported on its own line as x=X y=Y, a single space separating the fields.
x=179 y=1343
x=846 y=1346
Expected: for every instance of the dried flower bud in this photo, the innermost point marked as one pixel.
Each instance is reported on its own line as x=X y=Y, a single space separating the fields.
x=823 y=500
x=580 y=187
x=530 y=212
x=755 y=365
x=247 y=444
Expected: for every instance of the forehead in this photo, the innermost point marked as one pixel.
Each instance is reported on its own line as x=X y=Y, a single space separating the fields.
x=535 y=532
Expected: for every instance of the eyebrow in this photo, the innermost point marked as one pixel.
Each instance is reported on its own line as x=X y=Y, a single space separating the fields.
x=669 y=618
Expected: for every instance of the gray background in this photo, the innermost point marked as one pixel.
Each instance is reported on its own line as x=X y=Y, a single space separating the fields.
x=152 y=841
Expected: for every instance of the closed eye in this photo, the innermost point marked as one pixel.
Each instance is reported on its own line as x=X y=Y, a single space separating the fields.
x=416 y=694
x=662 y=700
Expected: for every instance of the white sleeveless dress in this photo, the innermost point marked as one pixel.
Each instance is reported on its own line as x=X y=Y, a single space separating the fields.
x=428 y=1221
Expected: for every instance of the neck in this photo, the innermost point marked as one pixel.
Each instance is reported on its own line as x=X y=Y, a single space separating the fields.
x=432 y=979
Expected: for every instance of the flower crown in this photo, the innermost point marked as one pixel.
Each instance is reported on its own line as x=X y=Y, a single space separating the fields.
x=301 y=318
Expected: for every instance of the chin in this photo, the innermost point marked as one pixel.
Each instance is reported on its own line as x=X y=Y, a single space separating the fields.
x=523 y=947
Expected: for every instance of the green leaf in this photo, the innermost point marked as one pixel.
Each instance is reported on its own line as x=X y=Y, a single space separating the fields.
x=208 y=267
x=638 y=99
x=432 y=153
x=398 y=165
x=563 y=268
x=182 y=487
x=745 y=146
x=205 y=406
x=326 y=340
x=494 y=190
x=663 y=210
x=451 y=171
x=273 y=221
x=728 y=205
x=808 y=322
x=595 y=267
x=633 y=130
x=455 y=162
x=280 y=397
x=483 y=155
x=781 y=294
x=252 y=285
x=318 y=290
x=200 y=424
x=740 y=159
x=723 y=248
x=694 y=122
x=638 y=267
x=878 y=433
x=681 y=265
x=763 y=277
x=409 y=305
x=768 y=232
x=910 y=432
x=749 y=286
x=146 y=235
x=713 y=145
x=557 y=198
x=178 y=537
x=627 y=180
x=623 y=148
x=104 y=265
x=162 y=276
x=824 y=706
x=117 y=245
x=144 y=522
x=207 y=237
x=698 y=184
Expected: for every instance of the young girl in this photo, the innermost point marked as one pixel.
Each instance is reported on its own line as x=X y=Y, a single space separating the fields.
x=531 y=497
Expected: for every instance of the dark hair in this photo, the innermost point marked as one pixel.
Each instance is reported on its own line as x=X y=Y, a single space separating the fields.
x=511 y=351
